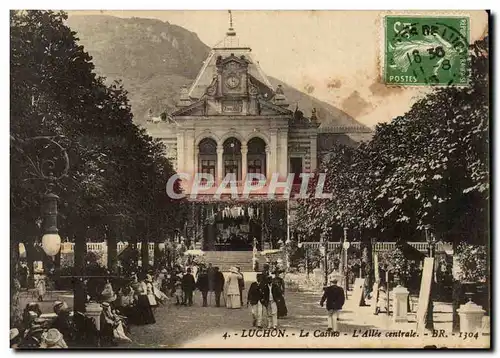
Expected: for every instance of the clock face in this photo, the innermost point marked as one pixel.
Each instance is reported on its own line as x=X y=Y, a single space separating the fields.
x=232 y=82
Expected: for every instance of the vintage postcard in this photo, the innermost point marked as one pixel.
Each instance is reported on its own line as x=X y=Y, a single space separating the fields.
x=249 y=179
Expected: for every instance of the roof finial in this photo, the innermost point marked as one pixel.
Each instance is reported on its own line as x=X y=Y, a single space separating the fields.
x=231 y=31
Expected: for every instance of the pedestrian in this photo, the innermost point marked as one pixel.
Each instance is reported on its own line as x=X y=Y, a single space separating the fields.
x=15 y=338
x=188 y=286
x=253 y=298
x=241 y=284
x=194 y=270
x=159 y=294
x=281 y=304
x=144 y=313
x=112 y=326
x=64 y=322
x=150 y=291
x=32 y=337
x=334 y=297
x=177 y=282
x=202 y=285
x=271 y=295
x=232 y=291
x=31 y=307
x=381 y=299
x=53 y=339
x=265 y=269
x=23 y=275
x=41 y=287
x=219 y=282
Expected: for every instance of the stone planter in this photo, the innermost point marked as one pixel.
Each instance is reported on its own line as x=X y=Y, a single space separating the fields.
x=476 y=292
x=471 y=317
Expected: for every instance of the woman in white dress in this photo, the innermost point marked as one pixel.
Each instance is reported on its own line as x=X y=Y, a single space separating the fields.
x=233 y=299
x=159 y=294
x=41 y=287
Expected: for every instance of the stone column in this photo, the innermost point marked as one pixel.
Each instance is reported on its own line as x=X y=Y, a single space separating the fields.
x=244 y=163
x=189 y=159
x=220 y=151
x=314 y=152
x=274 y=151
x=180 y=152
x=93 y=310
x=283 y=153
x=268 y=163
x=196 y=168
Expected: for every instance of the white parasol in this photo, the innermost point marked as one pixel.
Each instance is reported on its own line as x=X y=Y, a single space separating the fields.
x=194 y=253
x=270 y=252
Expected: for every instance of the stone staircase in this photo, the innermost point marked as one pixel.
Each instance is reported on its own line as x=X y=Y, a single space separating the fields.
x=226 y=259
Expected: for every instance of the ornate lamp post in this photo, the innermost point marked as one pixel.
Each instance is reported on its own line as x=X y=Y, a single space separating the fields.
x=431 y=240
x=51 y=241
x=324 y=250
x=345 y=247
x=288 y=247
x=47 y=162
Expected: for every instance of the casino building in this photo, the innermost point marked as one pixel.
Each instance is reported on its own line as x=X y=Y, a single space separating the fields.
x=233 y=120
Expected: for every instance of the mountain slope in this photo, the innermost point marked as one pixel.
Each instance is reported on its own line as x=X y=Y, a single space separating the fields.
x=154 y=59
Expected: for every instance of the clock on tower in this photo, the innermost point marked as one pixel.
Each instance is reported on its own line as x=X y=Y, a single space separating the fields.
x=232 y=81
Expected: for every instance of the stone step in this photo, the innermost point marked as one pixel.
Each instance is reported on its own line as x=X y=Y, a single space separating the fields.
x=227 y=259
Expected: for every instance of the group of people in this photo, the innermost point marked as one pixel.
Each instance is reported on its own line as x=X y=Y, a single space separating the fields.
x=210 y=281
x=135 y=300
x=36 y=332
x=266 y=298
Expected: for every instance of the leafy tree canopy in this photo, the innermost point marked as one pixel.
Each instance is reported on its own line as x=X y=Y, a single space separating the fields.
x=117 y=172
x=426 y=169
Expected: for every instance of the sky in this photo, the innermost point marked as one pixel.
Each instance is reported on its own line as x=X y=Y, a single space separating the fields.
x=332 y=55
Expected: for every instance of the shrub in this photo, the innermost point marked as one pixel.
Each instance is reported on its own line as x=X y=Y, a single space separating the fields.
x=472 y=261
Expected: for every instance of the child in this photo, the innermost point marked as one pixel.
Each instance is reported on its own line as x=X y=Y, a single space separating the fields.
x=41 y=287
x=179 y=297
x=382 y=300
x=253 y=298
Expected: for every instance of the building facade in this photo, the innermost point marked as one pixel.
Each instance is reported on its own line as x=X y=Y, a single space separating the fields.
x=233 y=121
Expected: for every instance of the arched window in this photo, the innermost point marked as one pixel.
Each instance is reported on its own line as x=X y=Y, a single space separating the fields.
x=207 y=157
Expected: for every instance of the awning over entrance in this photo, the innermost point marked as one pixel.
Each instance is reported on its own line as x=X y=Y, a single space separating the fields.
x=238 y=199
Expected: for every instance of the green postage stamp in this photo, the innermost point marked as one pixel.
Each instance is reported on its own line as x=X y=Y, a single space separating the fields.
x=425 y=50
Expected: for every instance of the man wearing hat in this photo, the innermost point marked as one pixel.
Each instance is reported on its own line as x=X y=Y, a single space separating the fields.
x=63 y=322
x=32 y=336
x=271 y=295
x=335 y=298
x=218 y=285
x=188 y=286
x=241 y=284
x=53 y=339
x=15 y=338
x=202 y=285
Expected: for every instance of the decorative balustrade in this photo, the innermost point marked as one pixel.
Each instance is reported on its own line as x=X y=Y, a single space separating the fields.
x=382 y=246
x=422 y=246
x=67 y=247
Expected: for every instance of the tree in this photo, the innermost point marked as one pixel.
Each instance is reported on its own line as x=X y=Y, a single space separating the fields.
x=55 y=92
x=427 y=169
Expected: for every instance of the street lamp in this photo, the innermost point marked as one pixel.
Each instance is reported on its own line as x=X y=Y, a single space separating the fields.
x=325 y=258
x=51 y=241
x=345 y=247
x=47 y=161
